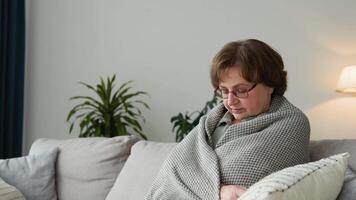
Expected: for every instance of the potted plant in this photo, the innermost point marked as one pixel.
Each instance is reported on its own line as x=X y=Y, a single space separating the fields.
x=183 y=124
x=112 y=113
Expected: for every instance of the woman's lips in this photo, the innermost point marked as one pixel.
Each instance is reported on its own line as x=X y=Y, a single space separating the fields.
x=237 y=110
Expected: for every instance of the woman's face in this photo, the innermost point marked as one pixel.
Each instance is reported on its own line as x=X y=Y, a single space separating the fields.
x=258 y=99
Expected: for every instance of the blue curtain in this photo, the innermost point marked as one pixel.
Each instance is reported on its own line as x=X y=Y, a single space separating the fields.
x=12 y=55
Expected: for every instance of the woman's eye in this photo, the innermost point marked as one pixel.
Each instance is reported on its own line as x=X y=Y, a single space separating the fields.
x=224 y=91
x=241 y=90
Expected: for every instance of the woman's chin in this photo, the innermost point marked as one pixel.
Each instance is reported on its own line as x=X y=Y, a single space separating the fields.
x=237 y=117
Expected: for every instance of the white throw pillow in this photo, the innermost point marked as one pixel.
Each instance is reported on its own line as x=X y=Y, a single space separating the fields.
x=322 y=180
x=33 y=175
x=9 y=192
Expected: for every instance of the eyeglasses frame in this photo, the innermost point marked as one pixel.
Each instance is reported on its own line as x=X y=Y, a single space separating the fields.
x=219 y=94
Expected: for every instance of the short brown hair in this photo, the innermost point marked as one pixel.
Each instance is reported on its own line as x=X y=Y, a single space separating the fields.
x=258 y=61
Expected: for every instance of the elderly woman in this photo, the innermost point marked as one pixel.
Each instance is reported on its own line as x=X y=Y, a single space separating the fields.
x=255 y=130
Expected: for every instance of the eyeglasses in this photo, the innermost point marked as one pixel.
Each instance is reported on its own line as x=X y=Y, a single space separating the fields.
x=240 y=92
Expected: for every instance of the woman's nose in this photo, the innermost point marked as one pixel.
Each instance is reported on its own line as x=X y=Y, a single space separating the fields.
x=232 y=99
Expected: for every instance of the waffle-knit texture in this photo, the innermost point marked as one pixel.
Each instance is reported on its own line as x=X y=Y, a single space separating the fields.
x=248 y=151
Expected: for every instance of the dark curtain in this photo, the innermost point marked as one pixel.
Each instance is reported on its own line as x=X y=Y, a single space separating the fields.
x=12 y=55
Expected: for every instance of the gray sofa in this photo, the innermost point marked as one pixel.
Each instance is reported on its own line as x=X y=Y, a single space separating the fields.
x=124 y=167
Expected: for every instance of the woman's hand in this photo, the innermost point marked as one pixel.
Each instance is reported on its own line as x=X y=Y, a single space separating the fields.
x=231 y=192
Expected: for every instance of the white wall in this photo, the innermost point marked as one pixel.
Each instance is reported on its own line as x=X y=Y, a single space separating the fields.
x=166 y=47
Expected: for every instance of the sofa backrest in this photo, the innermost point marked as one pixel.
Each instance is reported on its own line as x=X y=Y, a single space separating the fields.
x=324 y=148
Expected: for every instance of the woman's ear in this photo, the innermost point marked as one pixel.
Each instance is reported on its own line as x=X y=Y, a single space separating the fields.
x=271 y=89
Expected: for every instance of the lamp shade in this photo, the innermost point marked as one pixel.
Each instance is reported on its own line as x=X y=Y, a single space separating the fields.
x=347 y=80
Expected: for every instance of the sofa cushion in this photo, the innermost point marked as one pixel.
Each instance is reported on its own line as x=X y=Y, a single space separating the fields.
x=33 y=175
x=86 y=168
x=137 y=176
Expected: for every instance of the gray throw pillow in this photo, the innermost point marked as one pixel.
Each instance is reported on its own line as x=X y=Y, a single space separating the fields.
x=33 y=175
x=86 y=168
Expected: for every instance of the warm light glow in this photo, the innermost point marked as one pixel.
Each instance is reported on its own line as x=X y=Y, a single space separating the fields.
x=347 y=81
x=333 y=119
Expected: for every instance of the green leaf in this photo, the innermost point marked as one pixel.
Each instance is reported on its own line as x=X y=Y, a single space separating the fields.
x=71 y=113
x=88 y=86
x=90 y=99
x=71 y=127
x=133 y=122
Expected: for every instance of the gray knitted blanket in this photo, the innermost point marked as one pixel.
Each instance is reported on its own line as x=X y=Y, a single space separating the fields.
x=248 y=151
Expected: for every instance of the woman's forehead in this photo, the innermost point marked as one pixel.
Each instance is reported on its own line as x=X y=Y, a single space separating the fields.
x=232 y=77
